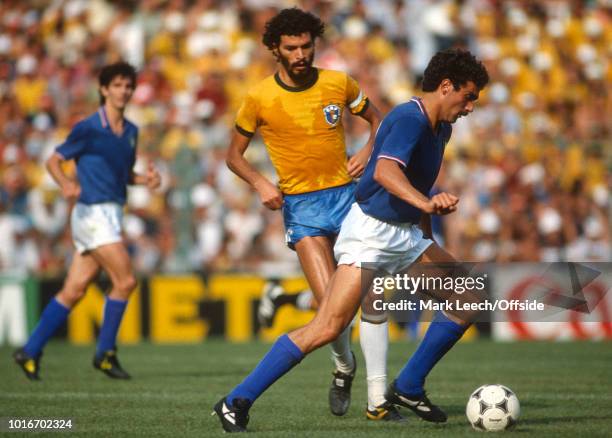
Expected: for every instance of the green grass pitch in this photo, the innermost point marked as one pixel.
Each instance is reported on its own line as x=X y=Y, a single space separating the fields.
x=564 y=390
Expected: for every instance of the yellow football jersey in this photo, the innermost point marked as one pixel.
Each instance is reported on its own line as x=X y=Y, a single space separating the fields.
x=302 y=127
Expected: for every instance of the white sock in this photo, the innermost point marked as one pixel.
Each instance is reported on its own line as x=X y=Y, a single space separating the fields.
x=304 y=300
x=374 y=339
x=341 y=352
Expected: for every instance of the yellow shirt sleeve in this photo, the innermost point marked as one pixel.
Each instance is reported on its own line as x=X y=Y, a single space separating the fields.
x=356 y=99
x=247 y=118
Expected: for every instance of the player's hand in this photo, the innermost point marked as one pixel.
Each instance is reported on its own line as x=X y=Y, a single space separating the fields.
x=442 y=203
x=357 y=163
x=153 y=177
x=269 y=195
x=71 y=190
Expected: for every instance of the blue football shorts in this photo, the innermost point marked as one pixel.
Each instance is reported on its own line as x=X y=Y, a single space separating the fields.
x=318 y=213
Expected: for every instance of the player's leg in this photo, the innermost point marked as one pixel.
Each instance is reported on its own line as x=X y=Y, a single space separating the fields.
x=335 y=313
x=443 y=333
x=82 y=271
x=274 y=296
x=115 y=260
x=374 y=340
x=303 y=215
x=317 y=260
x=338 y=307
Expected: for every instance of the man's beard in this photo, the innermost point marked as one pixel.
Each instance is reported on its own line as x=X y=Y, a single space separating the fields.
x=298 y=77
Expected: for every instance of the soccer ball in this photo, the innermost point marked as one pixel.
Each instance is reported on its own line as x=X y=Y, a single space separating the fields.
x=493 y=407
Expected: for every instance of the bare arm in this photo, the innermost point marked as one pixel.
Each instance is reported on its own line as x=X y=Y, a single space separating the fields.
x=151 y=178
x=70 y=188
x=269 y=194
x=389 y=175
x=357 y=163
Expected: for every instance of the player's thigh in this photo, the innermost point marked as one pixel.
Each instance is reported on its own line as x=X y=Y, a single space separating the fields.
x=115 y=260
x=436 y=263
x=435 y=254
x=316 y=255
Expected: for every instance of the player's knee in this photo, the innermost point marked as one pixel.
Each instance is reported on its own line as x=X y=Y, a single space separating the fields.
x=72 y=294
x=374 y=317
x=126 y=285
x=371 y=313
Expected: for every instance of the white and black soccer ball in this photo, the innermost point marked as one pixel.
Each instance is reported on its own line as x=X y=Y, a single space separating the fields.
x=492 y=408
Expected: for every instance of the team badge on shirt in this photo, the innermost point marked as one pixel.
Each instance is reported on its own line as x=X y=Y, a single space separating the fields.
x=332 y=114
x=133 y=142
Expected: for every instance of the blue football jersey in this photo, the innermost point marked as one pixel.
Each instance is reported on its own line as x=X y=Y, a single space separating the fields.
x=104 y=159
x=406 y=137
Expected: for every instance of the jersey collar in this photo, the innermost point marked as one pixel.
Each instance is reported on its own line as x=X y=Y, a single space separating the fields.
x=306 y=86
x=419 y=103
x=106 y=125
x=103 y=118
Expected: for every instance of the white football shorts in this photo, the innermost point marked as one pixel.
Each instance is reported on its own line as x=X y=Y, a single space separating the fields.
x=387 y=246
x=96 y=225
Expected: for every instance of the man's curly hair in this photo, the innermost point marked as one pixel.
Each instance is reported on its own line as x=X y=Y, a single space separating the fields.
x=457 y=65
x=292 y=21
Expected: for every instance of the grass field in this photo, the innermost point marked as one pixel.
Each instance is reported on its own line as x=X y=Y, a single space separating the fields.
x=564 y=389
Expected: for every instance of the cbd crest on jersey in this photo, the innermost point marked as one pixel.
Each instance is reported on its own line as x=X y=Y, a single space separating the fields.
x=332 y=114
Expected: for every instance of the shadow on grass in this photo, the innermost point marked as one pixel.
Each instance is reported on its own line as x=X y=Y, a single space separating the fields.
x=453 y=410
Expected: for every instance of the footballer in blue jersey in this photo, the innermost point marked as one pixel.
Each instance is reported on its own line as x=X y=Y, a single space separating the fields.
x=104 y=149
x=406 y=138
x=388 y=228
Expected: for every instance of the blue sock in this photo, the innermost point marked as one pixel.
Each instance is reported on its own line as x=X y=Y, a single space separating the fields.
x=113 y=313
x=54 y=315
x=440 y=337
x=283 y=356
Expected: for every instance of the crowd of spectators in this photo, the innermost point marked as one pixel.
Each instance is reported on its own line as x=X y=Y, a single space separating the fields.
x=531 y=164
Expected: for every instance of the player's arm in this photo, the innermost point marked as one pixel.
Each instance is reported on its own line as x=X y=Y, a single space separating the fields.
x=70 y=187
x=151 y=178
x=357 y=163
x=269 y=194
x=389 y=174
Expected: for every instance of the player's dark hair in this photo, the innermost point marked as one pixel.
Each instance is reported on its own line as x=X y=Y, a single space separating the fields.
x=111 y=71
x=293 y=22
x=457 y=65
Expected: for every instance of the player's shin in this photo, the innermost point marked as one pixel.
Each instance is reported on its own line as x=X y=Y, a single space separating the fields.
x=54 y=315
x=113 y=314
x=439 y=339
x=281 y=358
x=374 y=339
x=341 y=352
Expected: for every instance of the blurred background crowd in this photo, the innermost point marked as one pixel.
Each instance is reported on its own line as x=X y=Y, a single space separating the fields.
x=532 y=164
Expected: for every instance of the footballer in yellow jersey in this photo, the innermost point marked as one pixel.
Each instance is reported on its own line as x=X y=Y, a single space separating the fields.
x=298 y=112
x=302 y=127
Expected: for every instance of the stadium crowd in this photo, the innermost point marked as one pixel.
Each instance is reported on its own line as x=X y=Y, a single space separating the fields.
x=531 y=165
